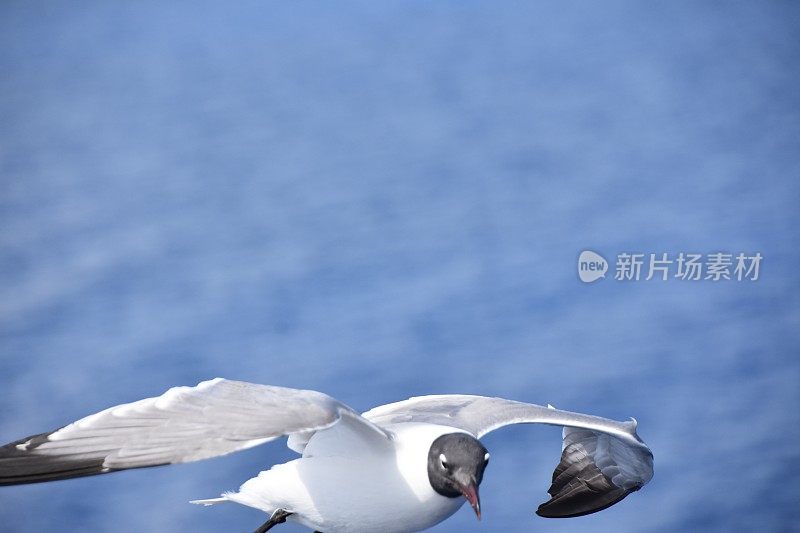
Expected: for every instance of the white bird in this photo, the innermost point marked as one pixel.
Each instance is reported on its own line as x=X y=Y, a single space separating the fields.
x=398 y=468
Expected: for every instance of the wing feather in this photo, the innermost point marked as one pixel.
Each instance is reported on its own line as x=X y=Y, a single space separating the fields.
x=184 y=424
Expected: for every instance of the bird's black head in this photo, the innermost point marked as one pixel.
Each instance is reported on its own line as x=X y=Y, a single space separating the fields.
x=456 y=462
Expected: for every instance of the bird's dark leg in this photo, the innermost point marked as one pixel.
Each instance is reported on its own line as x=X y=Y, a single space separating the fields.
x=278 y=517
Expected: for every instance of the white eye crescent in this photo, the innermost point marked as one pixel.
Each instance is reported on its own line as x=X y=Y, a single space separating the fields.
x=486 y=458
x=443 y=461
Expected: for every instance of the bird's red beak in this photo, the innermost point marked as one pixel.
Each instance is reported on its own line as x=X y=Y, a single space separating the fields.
x=470 y=492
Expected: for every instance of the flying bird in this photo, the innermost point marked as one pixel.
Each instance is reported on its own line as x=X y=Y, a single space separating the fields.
x=397 y=468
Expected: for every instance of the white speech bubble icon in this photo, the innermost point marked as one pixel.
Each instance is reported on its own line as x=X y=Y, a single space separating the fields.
x=591 y=266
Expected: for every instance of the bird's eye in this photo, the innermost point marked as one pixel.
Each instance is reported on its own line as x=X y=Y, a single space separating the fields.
x=486 y=458
x=443 y=461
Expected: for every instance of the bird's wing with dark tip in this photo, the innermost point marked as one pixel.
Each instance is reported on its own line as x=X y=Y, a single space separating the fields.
x=602 y=460
x=184 y=424
x=596 y=471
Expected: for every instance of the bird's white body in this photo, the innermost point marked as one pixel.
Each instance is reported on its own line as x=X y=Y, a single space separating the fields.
x=339 y=487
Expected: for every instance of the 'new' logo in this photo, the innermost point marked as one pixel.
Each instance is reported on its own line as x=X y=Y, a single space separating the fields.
x=591 y=266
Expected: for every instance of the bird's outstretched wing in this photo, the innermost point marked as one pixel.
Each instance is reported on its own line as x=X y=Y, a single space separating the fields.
x=602 y=460
x=184 y=424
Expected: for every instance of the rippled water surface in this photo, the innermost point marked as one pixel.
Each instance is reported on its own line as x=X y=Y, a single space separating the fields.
x=380 y=201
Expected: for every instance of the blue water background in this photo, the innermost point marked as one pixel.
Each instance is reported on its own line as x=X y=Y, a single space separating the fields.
x=380 y=200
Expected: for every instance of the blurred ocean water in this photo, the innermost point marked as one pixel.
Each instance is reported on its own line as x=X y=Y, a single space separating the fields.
x=384 y=200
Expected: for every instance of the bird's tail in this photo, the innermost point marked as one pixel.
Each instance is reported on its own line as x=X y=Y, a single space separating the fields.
x=211 y=501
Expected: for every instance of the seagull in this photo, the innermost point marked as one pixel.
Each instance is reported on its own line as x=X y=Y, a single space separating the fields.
x=398 y=468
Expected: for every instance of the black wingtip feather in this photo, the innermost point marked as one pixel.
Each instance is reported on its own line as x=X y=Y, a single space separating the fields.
x=556 y=509
x=20 y=466
x=579 y=487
